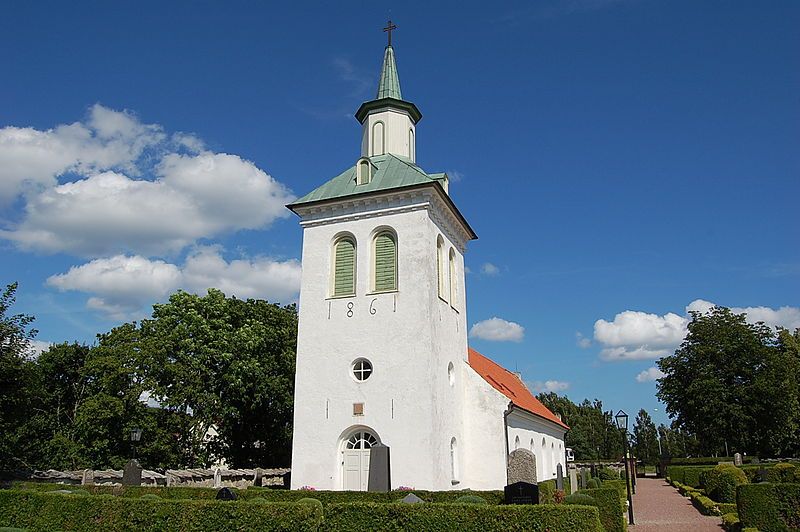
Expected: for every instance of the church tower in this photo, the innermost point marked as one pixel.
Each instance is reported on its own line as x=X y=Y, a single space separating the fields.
x=382 y=337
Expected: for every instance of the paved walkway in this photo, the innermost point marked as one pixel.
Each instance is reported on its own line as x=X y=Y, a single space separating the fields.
x=658 y=507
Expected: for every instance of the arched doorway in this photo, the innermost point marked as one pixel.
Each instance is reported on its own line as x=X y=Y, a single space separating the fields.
x=355 y=459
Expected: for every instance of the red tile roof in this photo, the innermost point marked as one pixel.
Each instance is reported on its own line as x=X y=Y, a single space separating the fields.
x=510 y=385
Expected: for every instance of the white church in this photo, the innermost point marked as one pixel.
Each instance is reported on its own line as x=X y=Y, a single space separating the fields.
x=382 y=353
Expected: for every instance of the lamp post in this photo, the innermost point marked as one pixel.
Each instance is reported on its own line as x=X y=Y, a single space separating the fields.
x=136 y=435
x=622 y=424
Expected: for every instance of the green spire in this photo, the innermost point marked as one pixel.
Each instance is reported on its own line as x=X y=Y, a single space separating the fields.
x=389 y=83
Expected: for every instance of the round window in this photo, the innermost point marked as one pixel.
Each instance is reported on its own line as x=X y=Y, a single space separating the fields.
x=362 y=369
x=451 y=374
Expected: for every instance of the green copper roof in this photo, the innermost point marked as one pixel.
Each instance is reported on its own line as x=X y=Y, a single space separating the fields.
x=388 y=172
x=389 y=83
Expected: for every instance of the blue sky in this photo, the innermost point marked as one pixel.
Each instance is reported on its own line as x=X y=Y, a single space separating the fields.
x=619 y=160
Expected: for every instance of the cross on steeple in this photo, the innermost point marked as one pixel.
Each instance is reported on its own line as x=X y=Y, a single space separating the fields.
x=388 y=29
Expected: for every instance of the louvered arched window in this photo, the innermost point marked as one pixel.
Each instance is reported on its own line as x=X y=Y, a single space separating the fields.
x=453 y=280
x=385 y=262
x=440 y=270
x=344 y=267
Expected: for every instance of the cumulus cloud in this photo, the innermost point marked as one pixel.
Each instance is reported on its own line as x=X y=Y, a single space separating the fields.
x=582 y=341
x=548 y=386
x=37 y=347
x=490 y=269
x=497 y=330
x=122 y=286
x=186 y=195
x=650 y=374
x=634 y=335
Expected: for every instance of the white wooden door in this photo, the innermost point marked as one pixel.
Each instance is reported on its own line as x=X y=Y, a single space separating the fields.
x=355 y=461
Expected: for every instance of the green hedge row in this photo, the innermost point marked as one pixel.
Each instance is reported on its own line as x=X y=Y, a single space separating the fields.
x=776 y=472
x=272 y=495
x=610 y=507
x=707 y=460
x=463 y=518
x=618 y=485
x=769 y=507
x=54 y=511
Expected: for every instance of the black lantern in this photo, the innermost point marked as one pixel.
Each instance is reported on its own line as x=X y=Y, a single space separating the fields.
x=622 y=420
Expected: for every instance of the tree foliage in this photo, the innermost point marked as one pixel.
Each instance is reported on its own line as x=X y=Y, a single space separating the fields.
x=592 y=434
x=734 y=383
x=645 y=438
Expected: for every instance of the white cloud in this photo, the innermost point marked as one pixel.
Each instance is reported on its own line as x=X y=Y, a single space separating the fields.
x=497 y=330
x=490 y=269
x=548 y=386
x=183 y=197
x=121 y=287
x=650 y=374
x=455 y=176
x=37 y=347
x=582 y=341
x=635 y=335
x=107 y=139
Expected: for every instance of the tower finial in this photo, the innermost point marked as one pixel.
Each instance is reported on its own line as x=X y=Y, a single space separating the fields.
x=388 y=29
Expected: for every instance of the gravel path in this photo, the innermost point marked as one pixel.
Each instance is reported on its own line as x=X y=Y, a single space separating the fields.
x=657 y=507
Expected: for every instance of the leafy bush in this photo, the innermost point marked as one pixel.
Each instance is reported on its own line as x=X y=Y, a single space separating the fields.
x=769 y=507
x=559 y=496
x=315 y=503
x=705 y=505
x=610 y=506
x=51 y=511
x=784 y=472
x=720 y=483
x=464 y=518
x=594 y=483
x=707 y=460
x=547 y=490
x=606 y=473
x=470 y=499
x=731 y=523
x=619 y=485
x=579 y=498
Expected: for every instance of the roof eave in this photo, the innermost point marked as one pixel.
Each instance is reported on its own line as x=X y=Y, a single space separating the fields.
x=539 y=416
x=403 y=105
x=435 y=184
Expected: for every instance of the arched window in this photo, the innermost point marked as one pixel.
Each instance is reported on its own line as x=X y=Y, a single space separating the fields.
x=361 y=440
x=364 y=172
x=344 y=267
x=454 y=459
x=533 y=450
x=440 y=271
x=412 y=148
x=378 y=142
x=385 y=262
x=453 y=280
x=516 y=443
x=553 y=458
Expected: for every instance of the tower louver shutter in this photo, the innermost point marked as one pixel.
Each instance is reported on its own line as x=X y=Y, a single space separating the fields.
x=344 y=278
x=385 y=263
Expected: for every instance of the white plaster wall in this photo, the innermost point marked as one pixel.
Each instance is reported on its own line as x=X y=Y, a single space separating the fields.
x=397 y=124
x=409 y=338
x=529 y=427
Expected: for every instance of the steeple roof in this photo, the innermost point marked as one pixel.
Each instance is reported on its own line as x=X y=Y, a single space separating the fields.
x=389 y=82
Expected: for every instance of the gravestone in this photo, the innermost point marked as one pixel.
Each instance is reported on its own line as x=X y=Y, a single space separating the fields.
x=87 y=479
x=584 y=478
x=380 y=475
x=559 y=477
x=573 y=480
x=217 y=477
x=737 y=459
x=521 y=466
x=258 y=478
x=755 y=460
x=226 y=494
x=411 y=499
x=521 y=493
x=132 y=474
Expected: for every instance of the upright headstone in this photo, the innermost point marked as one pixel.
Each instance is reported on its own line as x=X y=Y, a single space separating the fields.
x=380 y=475
x=217 y=478
x=132 y=474
x=584 y=478
x=573 y=480
x=87 y=479
x=258 y=477
x=737 y=459
x=521 y=466
x=559 y=477
x=521 y=493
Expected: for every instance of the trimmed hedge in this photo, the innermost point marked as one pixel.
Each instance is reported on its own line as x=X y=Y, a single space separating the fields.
x=707 y=460
x=464 y=518
x=610 y=507
x=721 y=481
x=53 y=511
x=731 y=523
x=619 y=485
x=606 y=473
x=769 y=507
x=547 y=490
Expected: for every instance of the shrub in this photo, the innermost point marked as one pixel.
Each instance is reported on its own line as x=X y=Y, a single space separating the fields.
x=547 y=490
x=470 y=499
x=769 y=507
x=784 y=472
x=579 y=498
x=50 y=511
x=720 y=483
x=705 y=505
x=731 y=523
x=464 y=518
x=315 y=503
x=559 y=496
x=594 y=483
x=610 y=506
x=606 y=473
x=619 y=485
